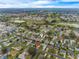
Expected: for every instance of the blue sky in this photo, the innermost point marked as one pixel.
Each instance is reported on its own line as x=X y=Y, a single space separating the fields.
x=39 y=3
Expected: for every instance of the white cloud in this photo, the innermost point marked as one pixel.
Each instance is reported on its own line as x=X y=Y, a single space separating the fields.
x=36 y=4
x=40 y=2
x=70 y=0
x=14 y=5
x=54 y=6
x=24 y=5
